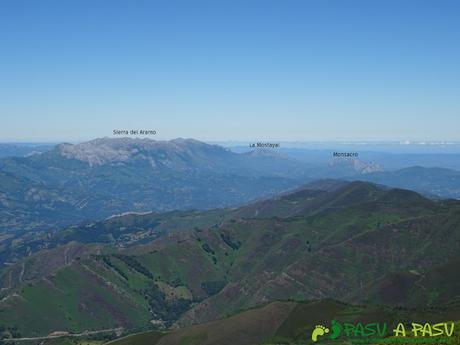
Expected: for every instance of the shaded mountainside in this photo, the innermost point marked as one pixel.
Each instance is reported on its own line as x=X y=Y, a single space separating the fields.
x=346 y=241
x=102 y=177
x=440 y=283
x=120 y=231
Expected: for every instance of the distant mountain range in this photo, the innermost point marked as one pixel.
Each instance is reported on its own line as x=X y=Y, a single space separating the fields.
x=355 y=242
x=437 y=182
x=23 y=150
x=390 y=156
x=94 y=180
x=99 y=178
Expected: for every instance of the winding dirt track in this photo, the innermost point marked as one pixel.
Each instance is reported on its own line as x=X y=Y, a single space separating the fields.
x=86 y=333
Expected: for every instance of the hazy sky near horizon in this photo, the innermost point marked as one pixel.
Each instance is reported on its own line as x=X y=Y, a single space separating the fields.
x=230 y=70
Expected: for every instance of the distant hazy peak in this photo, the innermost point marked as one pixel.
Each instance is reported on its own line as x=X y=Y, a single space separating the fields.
x=265 y=153
x=357 y=165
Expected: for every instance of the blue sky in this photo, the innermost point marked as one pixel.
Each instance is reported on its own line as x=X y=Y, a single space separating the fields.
x=230 y=70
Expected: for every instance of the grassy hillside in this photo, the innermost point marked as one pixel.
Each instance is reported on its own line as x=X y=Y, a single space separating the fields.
x=347 y=243
x=439 y=285
x=287 y=323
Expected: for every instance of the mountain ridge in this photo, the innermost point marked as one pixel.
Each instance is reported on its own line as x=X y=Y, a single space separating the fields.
x=96 y=179
x=217 y=262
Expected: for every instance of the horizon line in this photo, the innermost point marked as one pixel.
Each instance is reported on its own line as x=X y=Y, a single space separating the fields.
x=402 y=142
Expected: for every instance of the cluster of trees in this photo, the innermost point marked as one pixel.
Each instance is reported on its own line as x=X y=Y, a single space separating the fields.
x=228 y=241
x=210 y=251
x=8 y=333
x=108 y=262
x=129 y=260
x=167 y=310
x=134 y=264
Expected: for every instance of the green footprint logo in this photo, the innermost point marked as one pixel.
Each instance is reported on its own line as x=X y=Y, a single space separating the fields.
x=336 y=330
x=319 y=331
